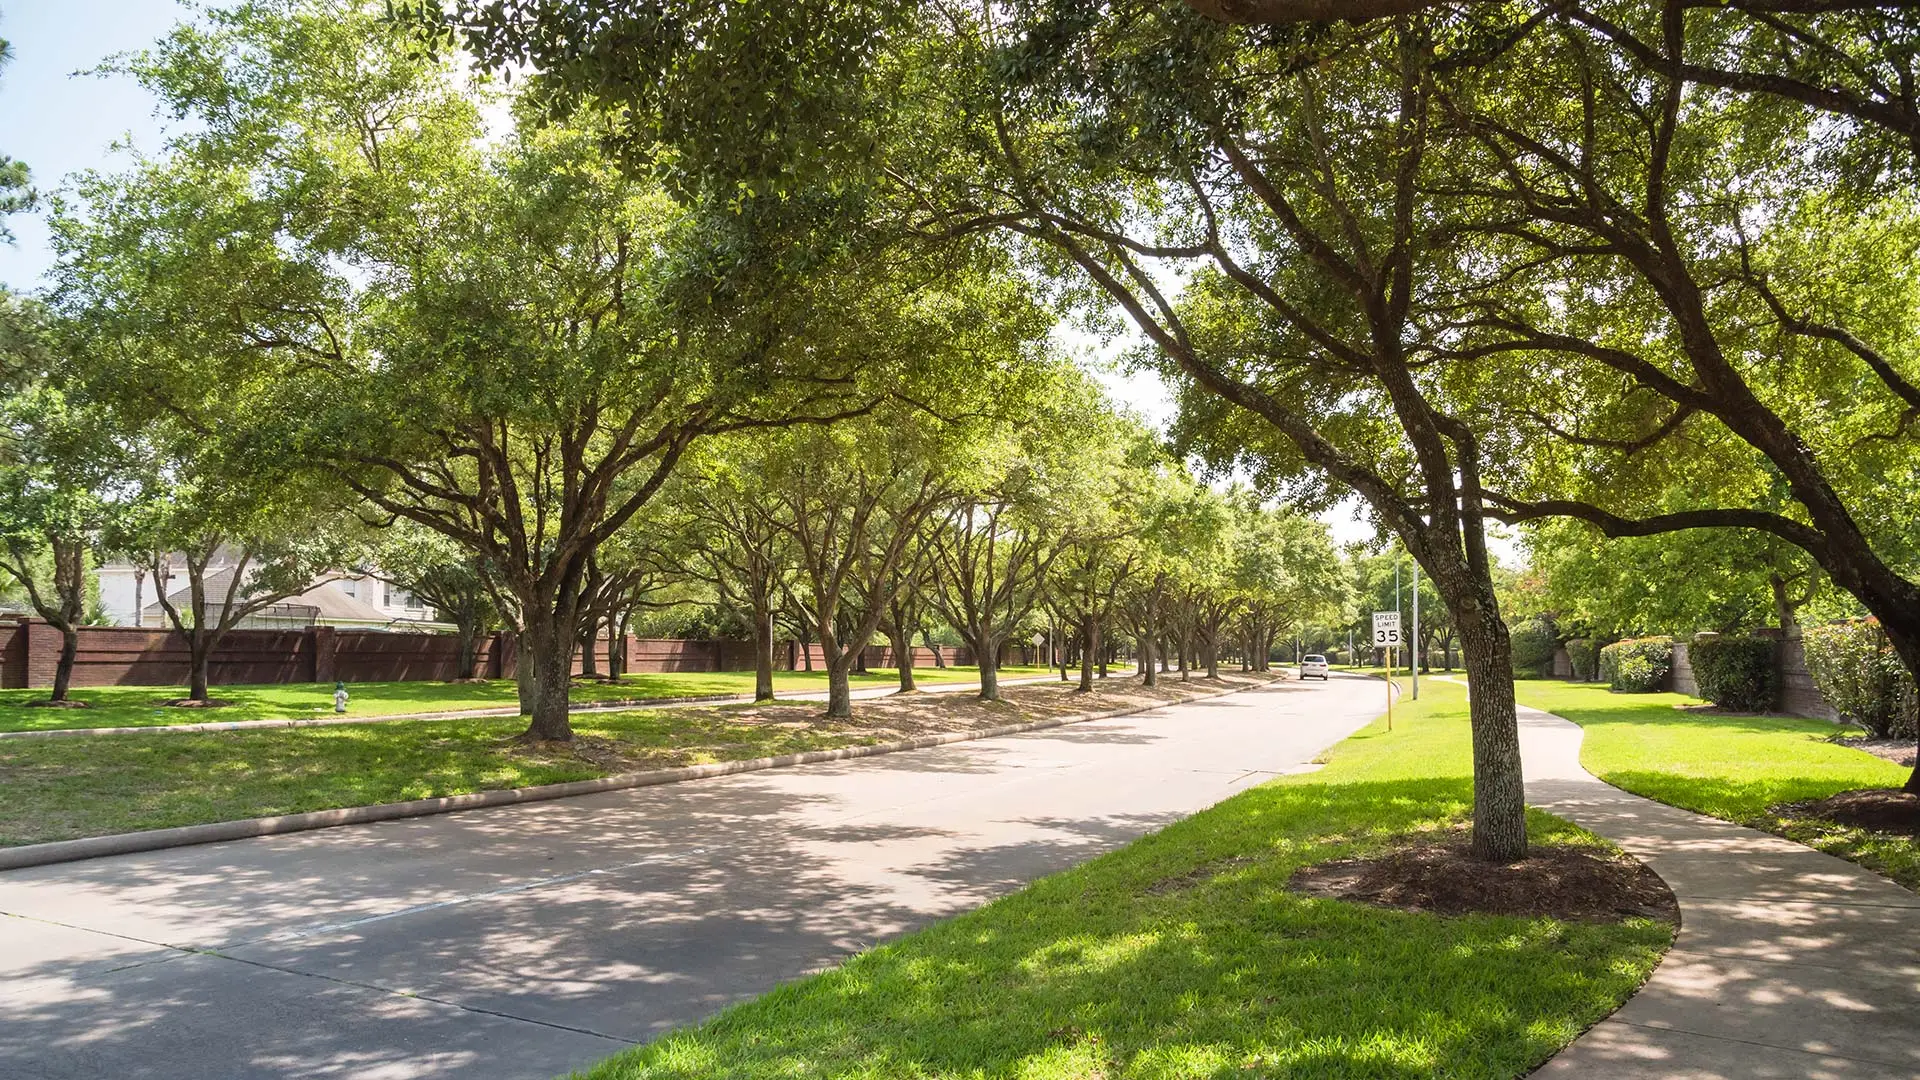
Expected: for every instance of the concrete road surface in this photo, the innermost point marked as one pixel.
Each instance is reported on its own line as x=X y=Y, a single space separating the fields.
x=526 y=941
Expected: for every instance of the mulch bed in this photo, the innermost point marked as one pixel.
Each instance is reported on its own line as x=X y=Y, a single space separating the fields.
x=189 y=703
x=1570 y=883
x=881 y=719
x=1899 y=751
x=1887 y=810
x=70 y=703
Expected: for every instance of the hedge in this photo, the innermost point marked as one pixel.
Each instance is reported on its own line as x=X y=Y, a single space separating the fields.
x=1534 y=641
x=1637 y=665
x=1736 y=672
x=1584 y=655
x=1854 y=666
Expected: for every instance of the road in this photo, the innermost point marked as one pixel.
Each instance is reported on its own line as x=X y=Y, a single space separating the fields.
x=525 y=941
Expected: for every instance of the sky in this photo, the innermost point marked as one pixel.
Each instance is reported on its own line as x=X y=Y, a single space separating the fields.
x=59 y=118
x=58 y=121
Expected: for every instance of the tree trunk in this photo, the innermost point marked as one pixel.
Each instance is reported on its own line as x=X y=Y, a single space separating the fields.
x=198 y=655
x=617 y=647
x=526 y=681
x=988 y=653
x=762 y=652
x=840 y=686
x=589 y=663
x=1499 y=793
x=549 y=659
x=469 y=663
x=1090 y=646
x=63 y=671
x=903 y=660
x=1212 y=649
x=1149 y=645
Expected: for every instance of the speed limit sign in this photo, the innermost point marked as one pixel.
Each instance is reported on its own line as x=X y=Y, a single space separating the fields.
x=1386 y=629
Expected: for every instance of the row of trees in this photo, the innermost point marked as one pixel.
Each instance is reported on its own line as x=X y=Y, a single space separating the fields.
x=338 y=319
x=1642 y=266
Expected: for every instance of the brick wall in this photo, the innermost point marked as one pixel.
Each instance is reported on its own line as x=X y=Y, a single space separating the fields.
x=13 y=654
x=133 y=656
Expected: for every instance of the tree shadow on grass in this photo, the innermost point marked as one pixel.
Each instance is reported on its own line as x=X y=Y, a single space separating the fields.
x=1097 y=972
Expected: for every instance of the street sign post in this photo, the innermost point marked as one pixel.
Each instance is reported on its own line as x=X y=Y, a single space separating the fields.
x=1386 y=635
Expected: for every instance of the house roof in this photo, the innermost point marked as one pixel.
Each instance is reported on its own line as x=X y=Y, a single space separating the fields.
x=330 y=604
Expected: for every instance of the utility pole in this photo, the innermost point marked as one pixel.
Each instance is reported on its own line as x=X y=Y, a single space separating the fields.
x=1415 y=666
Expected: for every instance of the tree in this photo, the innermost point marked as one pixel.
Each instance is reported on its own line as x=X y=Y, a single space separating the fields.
x=1104 y=545
x=857 y=499
x=51 y=457
x=1285 y=571
x=1160 y=148
x=1673 y=262
x=1724 y=581
x=529 y=339
x=244 y=540
x=732 y=523
x=446 y=576
x=992 y=555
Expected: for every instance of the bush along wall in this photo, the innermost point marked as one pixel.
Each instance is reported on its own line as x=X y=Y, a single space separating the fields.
x=1637 y=665
x=1854 y=666
x=1533 y=641
x=1740 y=673
x=1584 y=655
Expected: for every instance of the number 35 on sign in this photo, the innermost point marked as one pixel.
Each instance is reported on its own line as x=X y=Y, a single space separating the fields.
x=1386 y=628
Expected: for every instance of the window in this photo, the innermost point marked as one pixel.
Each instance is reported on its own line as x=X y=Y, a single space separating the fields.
x=350 y=587
x=386 y=593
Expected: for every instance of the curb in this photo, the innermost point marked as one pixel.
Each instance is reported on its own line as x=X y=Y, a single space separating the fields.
x=612 y=705
x=93 y=847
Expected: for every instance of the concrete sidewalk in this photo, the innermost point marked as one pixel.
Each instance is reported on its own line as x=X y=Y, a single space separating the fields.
x=1789 y=962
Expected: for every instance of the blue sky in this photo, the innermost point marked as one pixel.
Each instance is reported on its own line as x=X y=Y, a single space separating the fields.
x=58 y=121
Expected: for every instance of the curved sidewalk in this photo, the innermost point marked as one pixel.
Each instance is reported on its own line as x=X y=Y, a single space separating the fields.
x=1789 y=963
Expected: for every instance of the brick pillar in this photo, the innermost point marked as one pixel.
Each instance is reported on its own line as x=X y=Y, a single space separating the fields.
x=43 y=653
x=325 y=648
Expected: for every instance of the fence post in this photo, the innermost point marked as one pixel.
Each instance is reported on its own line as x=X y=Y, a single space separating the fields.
x=43 y=652
x=325 y=665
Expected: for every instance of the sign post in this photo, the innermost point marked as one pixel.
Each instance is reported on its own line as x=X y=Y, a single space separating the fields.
x=1386 y=635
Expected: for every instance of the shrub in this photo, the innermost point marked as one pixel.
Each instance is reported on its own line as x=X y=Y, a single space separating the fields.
x=1855 y=668
x=1583 y=653
x=1736 y=672
x=1533 y=643
x=1637 y=665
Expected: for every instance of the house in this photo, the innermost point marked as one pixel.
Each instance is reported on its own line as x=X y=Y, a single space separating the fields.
x=128 y=597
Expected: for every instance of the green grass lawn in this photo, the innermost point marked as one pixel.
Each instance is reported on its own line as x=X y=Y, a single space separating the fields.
x=61 y=789
x=1730 y=767
x=58 y=789
x=137 y=706
x=1184 y=955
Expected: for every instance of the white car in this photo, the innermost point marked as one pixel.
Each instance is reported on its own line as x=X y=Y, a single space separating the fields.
x=1313 y=666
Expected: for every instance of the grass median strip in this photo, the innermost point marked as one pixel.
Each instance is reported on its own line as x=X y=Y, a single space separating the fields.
x=1184 y=954
x=1736 y=768
x=140 y=706
x=63 y=789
